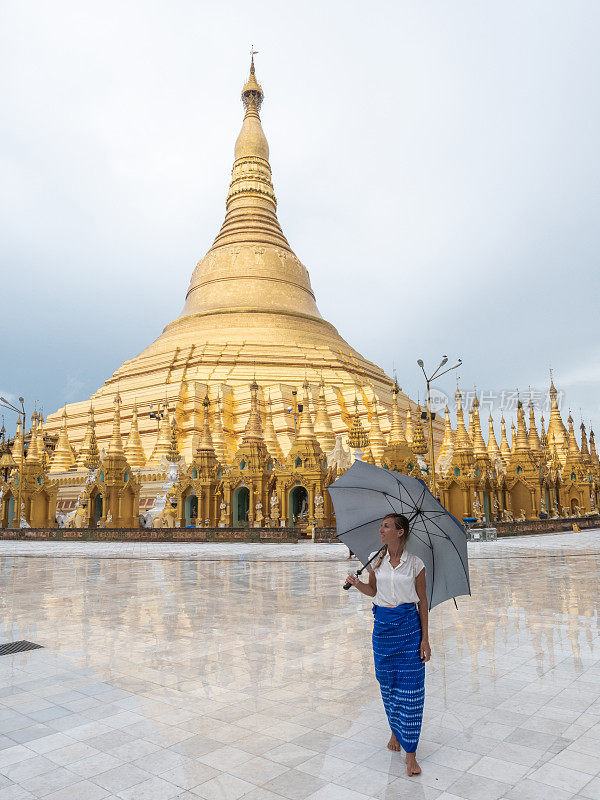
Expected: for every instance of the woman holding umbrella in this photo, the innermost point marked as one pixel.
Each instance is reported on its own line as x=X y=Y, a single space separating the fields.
x=400 y=634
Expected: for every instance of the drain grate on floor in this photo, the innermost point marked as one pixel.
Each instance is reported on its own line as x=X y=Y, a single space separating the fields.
x=18 y=647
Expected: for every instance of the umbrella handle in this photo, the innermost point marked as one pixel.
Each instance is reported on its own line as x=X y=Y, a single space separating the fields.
x=348 y=585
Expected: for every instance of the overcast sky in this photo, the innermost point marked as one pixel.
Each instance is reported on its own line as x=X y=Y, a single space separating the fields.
x=436 y=167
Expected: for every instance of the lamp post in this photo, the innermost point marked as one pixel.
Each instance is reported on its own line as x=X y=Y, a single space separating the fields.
x=429 y=380
x=21 y=413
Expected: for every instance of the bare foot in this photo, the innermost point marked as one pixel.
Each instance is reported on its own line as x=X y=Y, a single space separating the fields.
x=412 y=767
x=394 y=744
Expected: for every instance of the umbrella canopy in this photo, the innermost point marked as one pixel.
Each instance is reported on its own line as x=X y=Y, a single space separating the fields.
x=362 y=497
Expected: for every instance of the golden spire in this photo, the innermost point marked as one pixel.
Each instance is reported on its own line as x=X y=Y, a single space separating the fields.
x=593 y=453
x=556 y=427
x=134 y=450
x=251 y=244
x=419 y=445
x=447 y=445
x=479 y=447
x=492 y=446
x=17 y=448
x=573 y=449
x=206 y=443
x=89 y=455
x=322 y=423
x=408 y=428
x=253 y=431
x=33 y=453
x=534 y=440
x=173 y=456
x=462 y=442
x=504 y=445
x=115 y=446
x=62 y=458
x=162 y=445
x=543 y=436
x=396 y=433
x=41 y=447
x=306 y=432
x=270 y=435
x=513 y=437
x=585 y=453
x=357 y=438
x=218 y=434
x=376 y=438
x=521 y=442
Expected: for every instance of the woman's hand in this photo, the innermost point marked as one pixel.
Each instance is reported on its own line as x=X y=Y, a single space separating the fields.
x=353 y=579
x=425 y=650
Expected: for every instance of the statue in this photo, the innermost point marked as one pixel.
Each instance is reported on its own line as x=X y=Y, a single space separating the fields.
x=78 y=519
x=223 y=518
x=274 y=501
x=258 y=517
x=107 y=522
x=319 y=509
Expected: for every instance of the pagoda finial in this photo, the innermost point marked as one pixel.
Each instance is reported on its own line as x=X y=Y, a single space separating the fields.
x=62 y=458
x=115 y=446
x=306 y=432
x=134 y=450
x=206 y=443
x=253 y=431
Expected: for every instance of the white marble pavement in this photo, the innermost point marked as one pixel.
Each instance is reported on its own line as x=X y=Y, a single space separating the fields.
x=244 y=671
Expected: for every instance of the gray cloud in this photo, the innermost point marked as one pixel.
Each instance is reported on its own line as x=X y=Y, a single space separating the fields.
x=435 y=164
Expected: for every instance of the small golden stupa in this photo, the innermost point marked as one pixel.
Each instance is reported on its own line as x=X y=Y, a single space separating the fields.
x=250 y=314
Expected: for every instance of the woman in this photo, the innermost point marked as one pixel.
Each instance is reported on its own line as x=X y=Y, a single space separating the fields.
x=400 y=635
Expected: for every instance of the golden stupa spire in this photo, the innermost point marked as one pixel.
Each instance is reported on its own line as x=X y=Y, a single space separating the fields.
x=376 y=438
x=357 y=438
x=322 y=423
x=33 y=452
x=585 y=453
x=270 y=434
x=593 y=453
x=89 y=455
x=396 y=435
x=228 y=279
x=62 y=458
x=492 y=445
x=573 y=449
x=115 y=446
x=513 y=437
x=479 y=447
x=173 y=456
x=419 y=445
x=206 y=443
x=218 y=434
x=134 y=450
x=520 y=441
x=306 y=432
x=504 y=445
x=17 y=448
x=253 y=431
x=447 y=447
x=408 y=428
x=556 y=427
x=462 y=442
x=535 y=444
x=543 y=436
x=41 y=446
x=162 y=445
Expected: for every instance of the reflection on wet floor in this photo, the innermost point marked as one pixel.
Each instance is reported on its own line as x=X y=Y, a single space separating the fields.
x=196 y=659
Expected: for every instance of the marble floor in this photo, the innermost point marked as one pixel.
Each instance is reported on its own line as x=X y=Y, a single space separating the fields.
x=241 y=671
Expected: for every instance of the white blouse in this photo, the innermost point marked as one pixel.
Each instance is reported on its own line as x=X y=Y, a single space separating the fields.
x=396 y=585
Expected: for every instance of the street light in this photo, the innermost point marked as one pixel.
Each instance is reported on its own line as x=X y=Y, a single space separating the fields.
x=21 y=413
x=429 y=380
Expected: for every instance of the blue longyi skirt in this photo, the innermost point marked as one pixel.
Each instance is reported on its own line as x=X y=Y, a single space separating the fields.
x=399 y=670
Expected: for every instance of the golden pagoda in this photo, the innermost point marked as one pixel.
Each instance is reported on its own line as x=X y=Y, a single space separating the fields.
x=250 y=314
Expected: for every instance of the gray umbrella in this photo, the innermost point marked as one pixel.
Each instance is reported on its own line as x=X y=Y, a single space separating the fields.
x=362 y=497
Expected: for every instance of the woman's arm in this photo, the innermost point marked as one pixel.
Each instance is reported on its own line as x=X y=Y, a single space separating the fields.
x=370 y=588
x=421 y=587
